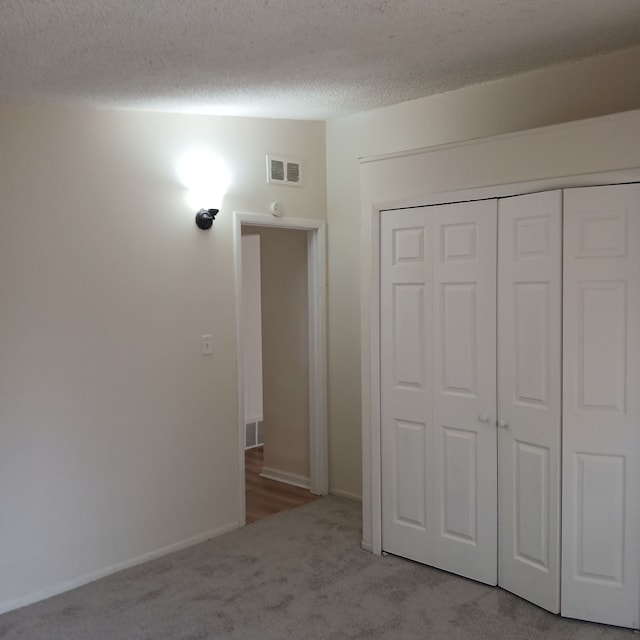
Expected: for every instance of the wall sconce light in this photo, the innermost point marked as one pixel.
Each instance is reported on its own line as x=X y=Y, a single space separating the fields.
x=205 y=218
x=206 y=177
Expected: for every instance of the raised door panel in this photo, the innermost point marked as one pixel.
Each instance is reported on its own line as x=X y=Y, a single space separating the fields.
x=598 y=554
x=459 y=346
x=601 y=409
x=530 y=518
x=459 y=517
x=410 y=499
x=529 y=395
x=602 y=370
x=464 y=392
x=408 y=335
x=406 y=381
x=531 y=345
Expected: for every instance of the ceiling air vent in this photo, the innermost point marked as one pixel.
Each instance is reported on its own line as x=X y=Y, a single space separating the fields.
x=281 y=170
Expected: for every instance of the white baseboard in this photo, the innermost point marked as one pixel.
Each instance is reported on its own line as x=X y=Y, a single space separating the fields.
x=286 y=477
x=345 y=494
x=74 y=583
x=366 y=546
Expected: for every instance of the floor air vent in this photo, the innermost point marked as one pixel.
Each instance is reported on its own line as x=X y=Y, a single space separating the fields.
x=254 y=434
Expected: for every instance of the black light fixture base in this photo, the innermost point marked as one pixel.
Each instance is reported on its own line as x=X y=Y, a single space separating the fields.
x=205 y=218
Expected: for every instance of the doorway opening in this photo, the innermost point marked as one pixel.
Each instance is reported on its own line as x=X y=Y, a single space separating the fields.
x=283 y=435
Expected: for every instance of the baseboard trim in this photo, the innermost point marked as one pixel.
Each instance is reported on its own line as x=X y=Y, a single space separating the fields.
x=286 y=477
x=345 y=494
x=74 y=583
x=366 y=546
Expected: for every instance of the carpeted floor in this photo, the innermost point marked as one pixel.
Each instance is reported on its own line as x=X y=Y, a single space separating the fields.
x=297 y=575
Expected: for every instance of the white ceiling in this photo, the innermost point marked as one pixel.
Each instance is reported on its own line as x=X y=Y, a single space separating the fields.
x=307 y=59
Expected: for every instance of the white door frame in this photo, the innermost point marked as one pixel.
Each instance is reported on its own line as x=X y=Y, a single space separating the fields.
x=317 y=269
x=371 y=384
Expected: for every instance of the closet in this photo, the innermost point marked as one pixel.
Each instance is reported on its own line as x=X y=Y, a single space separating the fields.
x=509 y=376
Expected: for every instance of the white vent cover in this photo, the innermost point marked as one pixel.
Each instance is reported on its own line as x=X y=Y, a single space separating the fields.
x=250 y=435
x=254 y=434
x=281 y=170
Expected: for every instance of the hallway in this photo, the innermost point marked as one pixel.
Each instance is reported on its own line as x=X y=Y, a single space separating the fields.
x=265 y=497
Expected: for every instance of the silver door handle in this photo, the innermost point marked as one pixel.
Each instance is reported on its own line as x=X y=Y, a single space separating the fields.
x=483 y=417
x=502 y=424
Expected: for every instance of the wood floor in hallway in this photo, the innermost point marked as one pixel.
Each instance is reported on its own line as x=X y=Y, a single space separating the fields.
x=265 y=497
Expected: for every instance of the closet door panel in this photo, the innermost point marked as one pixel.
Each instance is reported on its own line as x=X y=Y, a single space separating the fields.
x=601 y=409
x=406 y=311
x=438 y=395
x=464 y=394
x=529 y=395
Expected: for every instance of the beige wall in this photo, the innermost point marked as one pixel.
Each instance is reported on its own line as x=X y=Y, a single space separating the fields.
x=285 y=350
x=117 y=437
x=592 y=87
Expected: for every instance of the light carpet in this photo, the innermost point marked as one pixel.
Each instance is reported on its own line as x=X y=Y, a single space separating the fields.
x=300 y=574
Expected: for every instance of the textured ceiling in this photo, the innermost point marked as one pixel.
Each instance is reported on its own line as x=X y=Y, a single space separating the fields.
x=308 y=59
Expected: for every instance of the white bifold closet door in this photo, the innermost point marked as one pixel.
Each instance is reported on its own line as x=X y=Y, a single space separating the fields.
x=601 y=405
x=441 y=323
x=483 y=501
x=529 y=395
x=438 y=386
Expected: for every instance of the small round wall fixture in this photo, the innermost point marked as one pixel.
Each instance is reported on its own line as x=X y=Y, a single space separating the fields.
x=205 y=218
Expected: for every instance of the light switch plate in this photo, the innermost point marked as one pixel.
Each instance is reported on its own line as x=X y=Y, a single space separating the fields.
x=207 y=345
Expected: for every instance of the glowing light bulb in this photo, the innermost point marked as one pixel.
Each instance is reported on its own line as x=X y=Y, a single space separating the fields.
x=206 y=177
